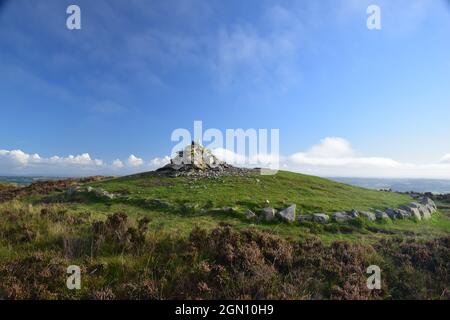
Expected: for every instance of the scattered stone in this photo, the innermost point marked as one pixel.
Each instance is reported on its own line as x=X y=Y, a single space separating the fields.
x=341 y=216
x=381 y=215
x=368 y=215
x=288 y=214
x=321 y=217
x=250 y=215
x=103 y=194
x=304 y=217
x=391 y=213
x=413 y=211
x=353 y=214
x=268 y=213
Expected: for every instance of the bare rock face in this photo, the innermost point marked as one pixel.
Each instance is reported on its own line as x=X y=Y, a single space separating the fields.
x=197 y=161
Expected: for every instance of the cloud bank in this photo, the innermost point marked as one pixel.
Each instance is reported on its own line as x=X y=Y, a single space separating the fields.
x=332 y=157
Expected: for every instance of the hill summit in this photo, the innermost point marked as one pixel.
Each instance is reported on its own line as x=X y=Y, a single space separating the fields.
x=196 y=160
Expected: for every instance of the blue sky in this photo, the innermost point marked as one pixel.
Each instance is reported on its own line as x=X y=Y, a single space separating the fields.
x=137 y=70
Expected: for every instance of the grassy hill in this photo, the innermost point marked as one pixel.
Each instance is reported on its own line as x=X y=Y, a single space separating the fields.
x=172 y=238
x=311 y=194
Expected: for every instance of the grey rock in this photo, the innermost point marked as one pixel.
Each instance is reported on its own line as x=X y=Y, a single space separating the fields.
x=268 y=213
x=288 y=214
x=90 y=189
x=250 y=215
x=341 y=216
x=368 y=215
x=381 y=215
x=391 y=213
x=402 y=214
x=353 y=214
x=321 y=217
x=104 y=194
x=304 y=217
x=413 y=211
x=428 y=202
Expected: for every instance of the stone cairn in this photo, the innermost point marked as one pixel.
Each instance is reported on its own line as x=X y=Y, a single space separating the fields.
x=197 y=161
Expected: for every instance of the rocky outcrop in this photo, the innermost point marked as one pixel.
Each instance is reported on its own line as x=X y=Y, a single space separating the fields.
x=197 y=161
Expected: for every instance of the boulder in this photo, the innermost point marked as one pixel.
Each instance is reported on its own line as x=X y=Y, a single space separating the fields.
x=250 y=215
x=381 y=215
x=268 y=213
x=428 y=202
x=341 y=216
x=353 y=214
x=425 y=212
x=413 y=211
x=402 y=214
x=321 y=217
x=104 y=194
x=368 y=215
x=288 y=214
x=304 y=217
x=391 y=213
x=90 y=189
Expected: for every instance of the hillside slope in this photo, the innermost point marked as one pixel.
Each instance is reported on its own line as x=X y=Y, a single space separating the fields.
x=310 y=194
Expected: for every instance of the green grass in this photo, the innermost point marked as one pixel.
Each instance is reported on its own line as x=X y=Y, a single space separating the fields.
x=174 y=259
x=310 y=194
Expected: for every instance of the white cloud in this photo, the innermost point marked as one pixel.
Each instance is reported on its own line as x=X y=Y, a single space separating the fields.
x=135 y=161
x=159 y=162
x=446 y=158
x=330 y=157
x=17 y=162
x=336 y=157
x=117 y=164
x=330 y=148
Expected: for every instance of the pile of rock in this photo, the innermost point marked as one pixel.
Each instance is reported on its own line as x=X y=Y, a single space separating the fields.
x=197 y=161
